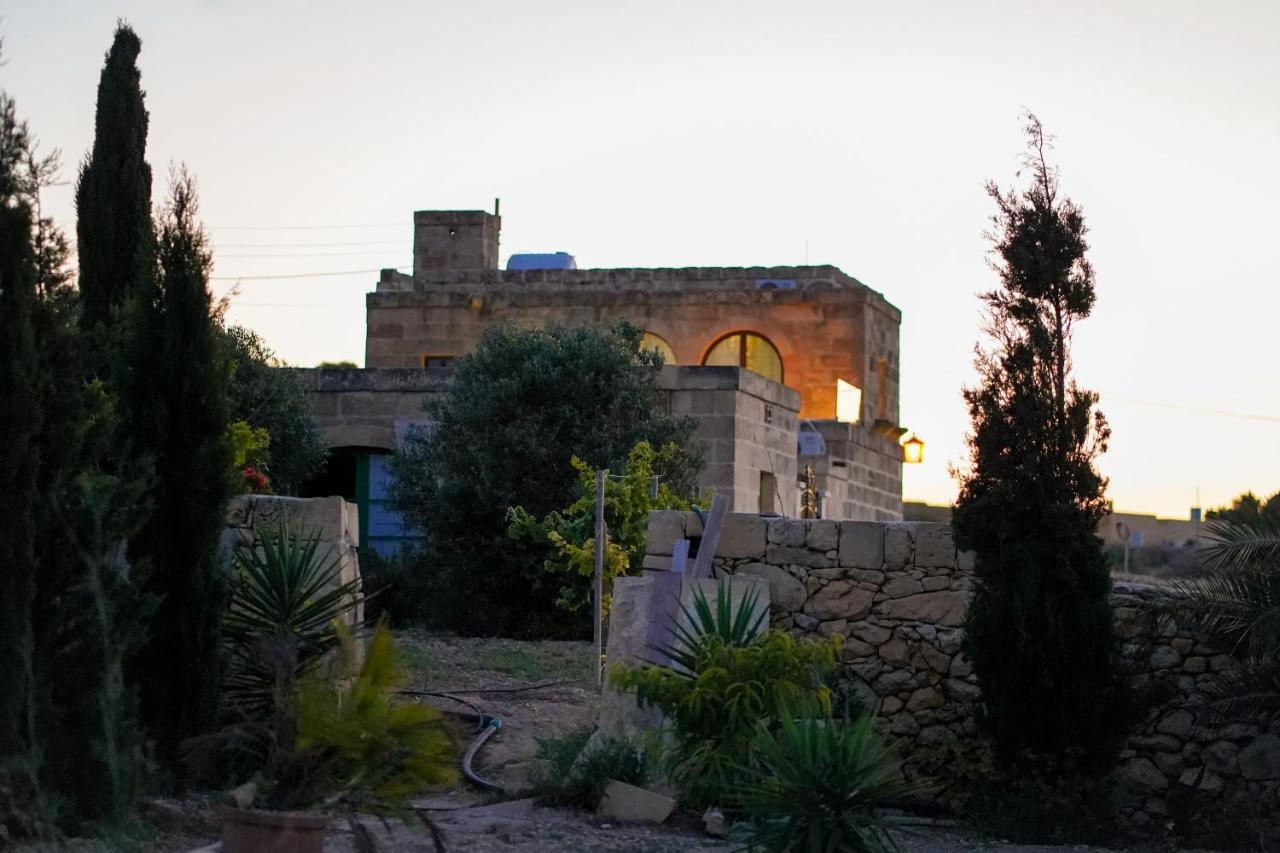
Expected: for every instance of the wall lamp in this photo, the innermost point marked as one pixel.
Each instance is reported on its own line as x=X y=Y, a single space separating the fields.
x=913 y=450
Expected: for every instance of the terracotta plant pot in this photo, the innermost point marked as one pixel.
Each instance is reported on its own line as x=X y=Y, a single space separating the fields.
x=253 y=831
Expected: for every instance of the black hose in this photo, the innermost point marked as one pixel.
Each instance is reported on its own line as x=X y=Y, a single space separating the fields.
x=486 y=725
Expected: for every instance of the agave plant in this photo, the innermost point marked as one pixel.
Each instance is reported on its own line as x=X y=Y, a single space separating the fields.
x=287 y=595
x=816 y=787
x=1236 y=602
x=726 y=674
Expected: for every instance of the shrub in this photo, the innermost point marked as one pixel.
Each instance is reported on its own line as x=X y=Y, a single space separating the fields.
x=726 y=677
x=580 y=769
x=521 y=405
x=570 y=533
x=816 y=786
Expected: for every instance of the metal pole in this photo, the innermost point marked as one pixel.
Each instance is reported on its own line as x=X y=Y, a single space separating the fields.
x=599 y=579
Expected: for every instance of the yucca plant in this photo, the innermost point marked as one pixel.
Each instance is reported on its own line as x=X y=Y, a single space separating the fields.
x=1236 y=602
x=287 y=595
x=816 y=787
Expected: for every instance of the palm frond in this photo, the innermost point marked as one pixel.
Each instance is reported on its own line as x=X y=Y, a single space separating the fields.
x=1241 y=543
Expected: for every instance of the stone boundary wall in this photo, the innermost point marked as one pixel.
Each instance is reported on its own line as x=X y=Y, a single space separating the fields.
x=898 y=593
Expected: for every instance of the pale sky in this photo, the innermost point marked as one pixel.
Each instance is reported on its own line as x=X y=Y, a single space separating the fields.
x=740 y=133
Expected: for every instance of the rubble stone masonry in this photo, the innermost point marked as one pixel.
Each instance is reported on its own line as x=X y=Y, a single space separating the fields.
x=897 y=593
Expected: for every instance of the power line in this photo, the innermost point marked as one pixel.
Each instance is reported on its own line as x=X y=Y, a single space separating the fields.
x=310 y=245
x=303 y=254
x=1242 y=416
x=305 y=227
x=293 y=275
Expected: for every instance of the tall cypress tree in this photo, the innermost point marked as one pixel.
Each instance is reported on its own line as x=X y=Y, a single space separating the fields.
x=113 y=195
x=180 y=412
x=1039 y=629
x=21 y=420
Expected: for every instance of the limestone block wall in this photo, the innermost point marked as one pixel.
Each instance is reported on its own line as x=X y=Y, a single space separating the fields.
x=825 y=324
x=860 y=473
x=898 y=594
x=747 y=427
x=359 y=407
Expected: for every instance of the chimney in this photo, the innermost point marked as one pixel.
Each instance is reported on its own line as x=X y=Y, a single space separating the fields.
x=454 y=240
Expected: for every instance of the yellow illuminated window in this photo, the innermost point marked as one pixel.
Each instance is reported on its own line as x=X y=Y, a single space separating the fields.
x=848 y=402
x=651 y=341
x=749 y=350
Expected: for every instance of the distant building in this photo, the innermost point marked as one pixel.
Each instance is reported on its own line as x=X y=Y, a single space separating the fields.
x=782 y=367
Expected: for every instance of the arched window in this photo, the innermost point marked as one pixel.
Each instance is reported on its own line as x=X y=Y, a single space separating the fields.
x=749 y=350
x=651 y=341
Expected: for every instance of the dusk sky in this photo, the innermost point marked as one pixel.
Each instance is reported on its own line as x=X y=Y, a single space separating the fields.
x=741 y=133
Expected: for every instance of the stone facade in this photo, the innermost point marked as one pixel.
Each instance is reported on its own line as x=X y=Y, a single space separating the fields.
x=746 y=423
x=828 y=327
x=898 y=593
x=360 y=408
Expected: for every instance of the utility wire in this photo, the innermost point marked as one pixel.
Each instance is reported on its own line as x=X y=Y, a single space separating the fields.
x=293 y=275
x=304 y=254
x=310 y=245
x=305 y=227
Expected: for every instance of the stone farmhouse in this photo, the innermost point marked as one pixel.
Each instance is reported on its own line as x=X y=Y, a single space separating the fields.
x=783 y=368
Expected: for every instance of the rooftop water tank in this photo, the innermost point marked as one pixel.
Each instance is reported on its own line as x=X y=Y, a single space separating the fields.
x=542 y=261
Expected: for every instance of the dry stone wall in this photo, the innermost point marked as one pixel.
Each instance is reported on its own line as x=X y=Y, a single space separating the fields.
x=898 y=592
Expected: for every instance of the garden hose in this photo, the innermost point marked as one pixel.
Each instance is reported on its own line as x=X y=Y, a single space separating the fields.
x=489 y=725
x=486 y=725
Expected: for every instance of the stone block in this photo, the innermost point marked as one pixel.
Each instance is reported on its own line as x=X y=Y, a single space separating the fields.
x=823 y=535
x=1140 y=776
x=785 y=591
x=939 y=608
x=657 y=564
x=962 y=691
x=868 y=633
x=924 y=699
x=898 y=546
x=782 y=555
x=742 y=537
x=902 y=587
x=625 y=802
x=666 y=526
x=862 y=544
x=933 y=584
x=787 y=532
x=895 y=652
x=840 y=600
x=934 y=546
x=1164 y=657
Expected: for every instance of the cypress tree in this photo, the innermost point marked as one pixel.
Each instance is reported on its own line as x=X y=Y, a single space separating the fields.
x=1039 y=629
x=180 y=415
x=21 y=420
x=113 y=195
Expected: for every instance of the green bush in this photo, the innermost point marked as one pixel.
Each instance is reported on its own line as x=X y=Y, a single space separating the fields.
x=400 y=586
x=521 y=405
x=726 y=677
x=570 y=533
x=816 y=786
x=579 y=769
